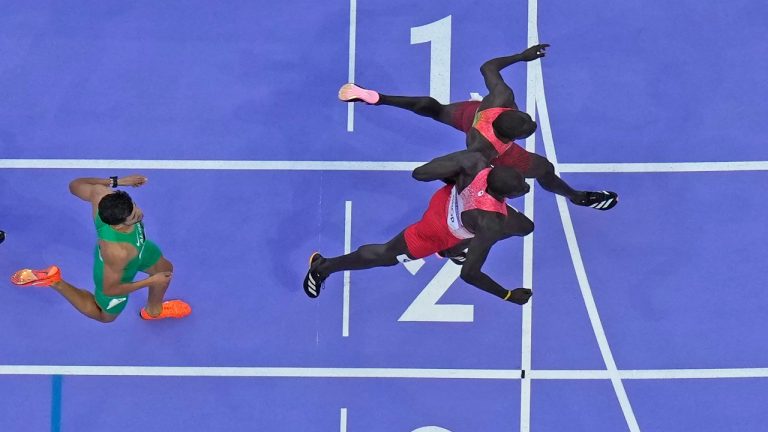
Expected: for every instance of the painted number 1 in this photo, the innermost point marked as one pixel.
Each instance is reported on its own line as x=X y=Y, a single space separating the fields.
x=438 y=33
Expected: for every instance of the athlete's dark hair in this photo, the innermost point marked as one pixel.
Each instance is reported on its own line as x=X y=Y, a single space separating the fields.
x=514 y=125
x=505 y=181
x=115 y=208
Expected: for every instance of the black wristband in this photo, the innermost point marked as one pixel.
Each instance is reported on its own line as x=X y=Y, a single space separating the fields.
x=113 y=180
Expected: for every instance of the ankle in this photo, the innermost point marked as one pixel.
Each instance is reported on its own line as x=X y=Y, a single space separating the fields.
x=154 y=310
x=383 y=100
x=578 y=196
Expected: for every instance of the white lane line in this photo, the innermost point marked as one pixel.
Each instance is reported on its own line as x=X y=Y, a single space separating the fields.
x=347 y=249
x=281 y=372
x=301 y=372
x=530 y=145
x=695 y=373
x=243 y=165
x=650 y=374
x=209 y=165
x=343 y=420
x=578 y=264
x=352 y=53
x=659 y=167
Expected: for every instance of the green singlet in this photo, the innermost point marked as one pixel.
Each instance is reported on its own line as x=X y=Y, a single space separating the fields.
x=148 y=254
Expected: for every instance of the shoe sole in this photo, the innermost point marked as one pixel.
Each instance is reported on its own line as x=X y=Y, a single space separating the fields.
x=305 y=285
x=354 y=93
x=45 y=281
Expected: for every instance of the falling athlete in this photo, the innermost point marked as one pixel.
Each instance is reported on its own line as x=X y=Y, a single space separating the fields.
x=492 y=126
x=469 y=211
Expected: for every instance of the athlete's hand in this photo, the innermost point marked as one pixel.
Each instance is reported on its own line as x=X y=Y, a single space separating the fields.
x=534 y=52
x=520 y=296
x=132 y=180
x=160 y=278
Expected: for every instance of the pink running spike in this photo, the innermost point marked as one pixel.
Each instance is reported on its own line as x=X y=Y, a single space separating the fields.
x=352 y=93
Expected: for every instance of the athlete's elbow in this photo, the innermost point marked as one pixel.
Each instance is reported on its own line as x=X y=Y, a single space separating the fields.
x=78 y=189
x=469 y=275
x=527 y=227
x=488 y=67
x=522 y=226
x=73 y=187
x=420 y=175
x=484 y=69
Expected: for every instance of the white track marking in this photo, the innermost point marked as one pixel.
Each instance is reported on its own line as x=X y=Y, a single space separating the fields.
x=343 y=420
x=414 y=373
x=253 y=165
x=352 y=54
x=530 y=145
x=347 y=249
x=578 y=264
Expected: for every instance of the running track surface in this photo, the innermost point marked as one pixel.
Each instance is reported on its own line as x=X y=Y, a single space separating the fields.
x=676 y=270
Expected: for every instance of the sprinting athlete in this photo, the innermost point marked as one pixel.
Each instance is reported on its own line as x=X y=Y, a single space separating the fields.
x=492 y=126
x=121 y=252
x=470 y=211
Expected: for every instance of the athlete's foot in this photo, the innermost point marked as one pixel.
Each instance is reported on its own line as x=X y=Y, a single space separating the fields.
x=519 y=296
x=170 y=309
x=353 y=93
x=602 y=200
x=44 y=278
x=313 y=282
x=457 y=259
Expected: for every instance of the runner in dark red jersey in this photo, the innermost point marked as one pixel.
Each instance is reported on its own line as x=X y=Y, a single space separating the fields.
x=469 y=211
x=492 y=126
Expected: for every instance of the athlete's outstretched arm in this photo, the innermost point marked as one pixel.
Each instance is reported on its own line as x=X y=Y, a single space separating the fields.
x=479 y=247
x=93 y=189
x=500 y=95
x=450 y=166
x=88 y=188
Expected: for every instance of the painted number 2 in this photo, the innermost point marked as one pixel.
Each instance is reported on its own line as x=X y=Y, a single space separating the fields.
x=424 y=307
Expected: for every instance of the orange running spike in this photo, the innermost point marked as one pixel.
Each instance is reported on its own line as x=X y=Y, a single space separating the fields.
x=171 y=309
x=29 y=277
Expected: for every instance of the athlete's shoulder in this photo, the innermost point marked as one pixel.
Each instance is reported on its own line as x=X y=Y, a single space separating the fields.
x=485 y=223
x=503 y=103
x=516 y=223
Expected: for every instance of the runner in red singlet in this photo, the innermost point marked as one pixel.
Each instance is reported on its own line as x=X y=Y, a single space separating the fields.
x=492 y=126
x=470 y=210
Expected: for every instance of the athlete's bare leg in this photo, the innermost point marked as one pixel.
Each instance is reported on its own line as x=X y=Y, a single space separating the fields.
x=83 y=301
x=157 y=291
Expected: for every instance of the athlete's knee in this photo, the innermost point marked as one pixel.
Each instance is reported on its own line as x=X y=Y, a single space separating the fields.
x=396 y=247
x=106 y=318
x=429 y=107
x=166 y=265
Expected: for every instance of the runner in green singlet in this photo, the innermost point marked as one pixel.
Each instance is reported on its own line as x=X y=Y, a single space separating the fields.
x=122 y=251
